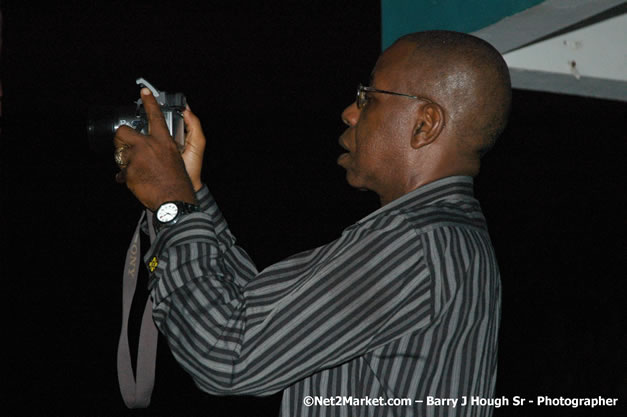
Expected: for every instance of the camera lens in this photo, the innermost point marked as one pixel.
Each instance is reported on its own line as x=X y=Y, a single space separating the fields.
x=102 y=123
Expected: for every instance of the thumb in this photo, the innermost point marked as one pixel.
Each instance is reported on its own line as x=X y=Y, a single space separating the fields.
x=194 y=147
x=194 y=138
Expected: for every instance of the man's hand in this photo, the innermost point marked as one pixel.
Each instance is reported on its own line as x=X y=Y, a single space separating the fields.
x=153 y=168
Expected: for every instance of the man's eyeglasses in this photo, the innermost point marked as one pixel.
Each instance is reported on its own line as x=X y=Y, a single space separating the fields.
x=362 y=96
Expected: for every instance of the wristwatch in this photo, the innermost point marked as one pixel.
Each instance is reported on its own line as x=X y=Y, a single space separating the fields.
x=170 y=213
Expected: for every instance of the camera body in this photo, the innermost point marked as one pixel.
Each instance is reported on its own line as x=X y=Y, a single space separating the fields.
x=105 y=120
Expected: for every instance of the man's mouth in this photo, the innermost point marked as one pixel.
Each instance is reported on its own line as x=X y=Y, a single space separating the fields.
x=345 y=155
x=342 y=158
x=342 y=143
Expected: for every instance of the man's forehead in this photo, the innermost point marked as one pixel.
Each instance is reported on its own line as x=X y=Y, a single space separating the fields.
x=393 y=63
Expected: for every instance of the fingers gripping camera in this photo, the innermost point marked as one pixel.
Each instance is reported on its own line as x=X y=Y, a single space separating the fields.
x=104 y=121
x=172 y=106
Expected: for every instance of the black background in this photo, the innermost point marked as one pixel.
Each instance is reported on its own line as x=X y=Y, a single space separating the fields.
x=269 y=82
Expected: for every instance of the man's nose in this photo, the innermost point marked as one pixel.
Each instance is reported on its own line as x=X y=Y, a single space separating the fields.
x=350 y=115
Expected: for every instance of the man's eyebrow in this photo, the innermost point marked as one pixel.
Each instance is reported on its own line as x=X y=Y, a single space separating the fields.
x=370 y=81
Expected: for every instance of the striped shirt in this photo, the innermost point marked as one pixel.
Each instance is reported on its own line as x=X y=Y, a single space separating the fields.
x=404 y=304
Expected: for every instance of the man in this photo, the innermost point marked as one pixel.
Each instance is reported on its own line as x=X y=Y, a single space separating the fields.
x=404 y=305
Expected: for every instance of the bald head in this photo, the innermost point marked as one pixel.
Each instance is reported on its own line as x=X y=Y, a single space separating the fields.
x=436 y=103
x=468 y=78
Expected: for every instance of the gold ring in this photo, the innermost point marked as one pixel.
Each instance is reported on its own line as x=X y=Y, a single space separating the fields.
x=119 y=159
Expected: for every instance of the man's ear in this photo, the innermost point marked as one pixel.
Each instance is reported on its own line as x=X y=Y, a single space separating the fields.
x=429 y=125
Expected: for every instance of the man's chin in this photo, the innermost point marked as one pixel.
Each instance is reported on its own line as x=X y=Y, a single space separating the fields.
x=354 y=181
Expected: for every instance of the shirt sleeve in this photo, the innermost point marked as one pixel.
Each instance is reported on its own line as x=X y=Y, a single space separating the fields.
x=238 y=331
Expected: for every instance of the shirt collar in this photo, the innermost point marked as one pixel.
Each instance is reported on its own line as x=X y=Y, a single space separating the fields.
x=445 y=189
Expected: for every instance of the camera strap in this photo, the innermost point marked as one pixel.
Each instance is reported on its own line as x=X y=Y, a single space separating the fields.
x=136 y=389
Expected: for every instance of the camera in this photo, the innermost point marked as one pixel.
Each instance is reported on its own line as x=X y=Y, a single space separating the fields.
x=103 y=121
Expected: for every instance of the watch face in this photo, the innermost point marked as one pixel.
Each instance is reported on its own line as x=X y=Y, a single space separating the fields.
x=167 y=212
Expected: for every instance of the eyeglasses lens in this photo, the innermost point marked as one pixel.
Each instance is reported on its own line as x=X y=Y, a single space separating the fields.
x=361 y=97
